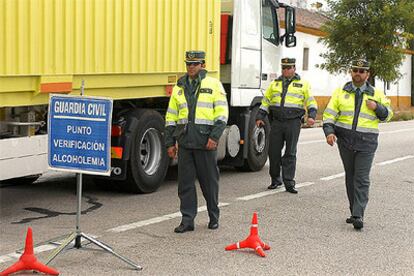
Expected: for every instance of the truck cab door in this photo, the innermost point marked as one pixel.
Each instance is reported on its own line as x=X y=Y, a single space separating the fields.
x=271 y=45
x=246 y=55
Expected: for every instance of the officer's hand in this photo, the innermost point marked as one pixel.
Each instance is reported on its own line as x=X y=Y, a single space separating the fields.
x=310 y=121
x=211 y=144
x=372 y=105
x=331 y=139
x=259 y=123
x=172 y=152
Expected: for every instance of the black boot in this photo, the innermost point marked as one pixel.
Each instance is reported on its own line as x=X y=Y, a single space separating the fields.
x=291 y=189
x=183 y=228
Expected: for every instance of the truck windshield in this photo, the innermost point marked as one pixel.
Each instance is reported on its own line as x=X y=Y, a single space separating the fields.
x=270 y=23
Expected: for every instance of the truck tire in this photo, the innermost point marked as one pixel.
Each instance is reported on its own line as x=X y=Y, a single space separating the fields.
x=148 y=162
x=258 y=144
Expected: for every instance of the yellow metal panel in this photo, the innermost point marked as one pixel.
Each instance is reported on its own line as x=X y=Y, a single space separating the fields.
x=101 y=37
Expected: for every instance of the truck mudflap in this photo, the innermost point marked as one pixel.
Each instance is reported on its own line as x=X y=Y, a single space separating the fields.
x=119 y=169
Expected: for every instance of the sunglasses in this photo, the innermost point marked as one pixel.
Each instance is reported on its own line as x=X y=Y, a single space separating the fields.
x=361 y=71
x=287 y=67
x=192 y=63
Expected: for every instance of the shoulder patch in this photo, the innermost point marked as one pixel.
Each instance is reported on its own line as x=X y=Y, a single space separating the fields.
x=299 y=85
x=206 y=90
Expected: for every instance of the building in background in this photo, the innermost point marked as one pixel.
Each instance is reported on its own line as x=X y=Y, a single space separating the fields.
x=307 y=53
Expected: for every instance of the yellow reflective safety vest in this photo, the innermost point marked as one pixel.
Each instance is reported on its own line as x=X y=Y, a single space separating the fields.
x=291 y=104
x=348 y=116
x=192 y=119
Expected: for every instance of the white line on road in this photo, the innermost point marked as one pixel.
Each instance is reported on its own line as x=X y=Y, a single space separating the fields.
x=38 y=249
x=394 y=160
x=326 y=178
x=142 y=223
x=47 y=247
x=271 y=192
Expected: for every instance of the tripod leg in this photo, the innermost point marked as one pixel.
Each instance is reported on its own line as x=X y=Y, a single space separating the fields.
x=61 y=247
x=108 y=249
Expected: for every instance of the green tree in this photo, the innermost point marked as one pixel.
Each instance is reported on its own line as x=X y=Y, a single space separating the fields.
x=376 y=30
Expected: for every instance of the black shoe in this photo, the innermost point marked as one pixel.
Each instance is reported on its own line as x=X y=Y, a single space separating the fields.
x=183 y=228
x=351 y=219
x=291 y=190
x=274 y=185
x=213 y=225
x=358 y=223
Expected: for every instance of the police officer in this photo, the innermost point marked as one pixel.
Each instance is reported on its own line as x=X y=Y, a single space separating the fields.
x=352 y=118
x=196 y=118
x=285 y=101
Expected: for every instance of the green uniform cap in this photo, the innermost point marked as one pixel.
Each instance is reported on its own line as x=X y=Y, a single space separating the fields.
x=195 y=56
x=360 y=64
x=288 y=61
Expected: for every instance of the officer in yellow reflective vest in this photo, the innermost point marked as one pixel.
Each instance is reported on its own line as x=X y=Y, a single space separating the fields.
x=196 y=118
x=285 y=100
x=352 y=118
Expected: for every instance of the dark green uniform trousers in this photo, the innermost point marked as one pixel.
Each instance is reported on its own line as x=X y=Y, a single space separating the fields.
x=200 y=164
x=282 y=132
x=357 y=166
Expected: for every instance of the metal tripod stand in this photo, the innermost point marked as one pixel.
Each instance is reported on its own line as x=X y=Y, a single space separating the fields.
x=77 y=235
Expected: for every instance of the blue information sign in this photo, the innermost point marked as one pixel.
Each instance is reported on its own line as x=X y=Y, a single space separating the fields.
x=79 y=134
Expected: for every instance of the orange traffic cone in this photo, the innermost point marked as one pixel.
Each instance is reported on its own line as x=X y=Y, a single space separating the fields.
x=28 y=260
x=252 y=241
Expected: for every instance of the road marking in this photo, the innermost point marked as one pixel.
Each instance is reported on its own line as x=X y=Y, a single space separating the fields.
x=326 y=178
x=394 y=160
x=150 y=221
x=38 y=249
x=270 y=192
x=48 y=247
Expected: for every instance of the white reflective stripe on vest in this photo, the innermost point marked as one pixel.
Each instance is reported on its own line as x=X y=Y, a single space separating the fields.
x=331 y=111
x=367 y=130
x=182 y=121
x=346 y=113
x=295 y=95
x=294 y=105
x=182 y=106
x=172 y=111
x=203 y=122
x=205 y=104
x=329 y=121
x=367 y=116
x=220 y=103
x=343 y=125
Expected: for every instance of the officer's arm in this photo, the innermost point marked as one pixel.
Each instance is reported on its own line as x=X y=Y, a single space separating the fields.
x=221 y=112
x=264 y=107
x=330 y=114
x=171 y=119
x=311 y=104
x=383 y=110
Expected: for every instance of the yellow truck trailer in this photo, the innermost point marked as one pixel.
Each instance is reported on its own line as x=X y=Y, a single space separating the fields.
x=133 y=52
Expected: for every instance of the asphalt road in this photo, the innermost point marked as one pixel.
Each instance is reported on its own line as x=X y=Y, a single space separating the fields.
x=307 y=232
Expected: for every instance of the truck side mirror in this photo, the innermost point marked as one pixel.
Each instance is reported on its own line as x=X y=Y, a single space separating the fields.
x=290 y=40
x=290 y=20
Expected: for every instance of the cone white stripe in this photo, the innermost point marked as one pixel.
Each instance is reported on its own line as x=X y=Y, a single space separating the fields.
x=254 y=225
x=238 y=245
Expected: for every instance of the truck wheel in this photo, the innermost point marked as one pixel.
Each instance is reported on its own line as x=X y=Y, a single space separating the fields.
x=148 y=159
x=258 y=144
